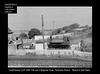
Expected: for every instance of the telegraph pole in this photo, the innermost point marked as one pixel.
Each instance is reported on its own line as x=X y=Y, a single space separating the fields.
x=53 y=24
x=43 y=31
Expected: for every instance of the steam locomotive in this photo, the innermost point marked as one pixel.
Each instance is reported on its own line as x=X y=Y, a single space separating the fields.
x=60 y=43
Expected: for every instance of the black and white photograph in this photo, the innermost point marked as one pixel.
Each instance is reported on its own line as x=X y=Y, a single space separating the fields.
x=50 y=37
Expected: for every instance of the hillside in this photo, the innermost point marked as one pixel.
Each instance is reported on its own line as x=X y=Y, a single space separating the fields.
x=76 y=28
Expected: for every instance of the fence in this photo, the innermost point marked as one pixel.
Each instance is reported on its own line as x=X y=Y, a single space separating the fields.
x=83 y=54
x=69 y=52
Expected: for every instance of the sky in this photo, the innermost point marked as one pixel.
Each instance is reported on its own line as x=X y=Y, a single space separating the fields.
x=30 y=17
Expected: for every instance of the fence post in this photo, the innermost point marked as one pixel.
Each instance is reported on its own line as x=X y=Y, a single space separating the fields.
x=59 y=54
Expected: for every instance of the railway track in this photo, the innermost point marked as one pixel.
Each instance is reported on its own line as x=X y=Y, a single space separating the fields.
x=48 y=62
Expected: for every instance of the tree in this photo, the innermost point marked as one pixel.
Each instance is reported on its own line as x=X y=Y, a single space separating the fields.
x=70 y=27
x=9 y=31
x=57 y=31
x=89 y=34
x=23 y=36
x=64 y=28
x=86 y=26
x=73 y=26
x=33 y=32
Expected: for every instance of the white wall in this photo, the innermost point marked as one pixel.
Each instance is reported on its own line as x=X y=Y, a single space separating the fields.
x=40 y=37
x=47 y=36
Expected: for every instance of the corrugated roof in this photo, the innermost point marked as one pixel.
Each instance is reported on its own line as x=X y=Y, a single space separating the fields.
x=19 y=42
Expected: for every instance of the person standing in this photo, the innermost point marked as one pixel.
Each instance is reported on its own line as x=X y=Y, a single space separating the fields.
x=82 y=45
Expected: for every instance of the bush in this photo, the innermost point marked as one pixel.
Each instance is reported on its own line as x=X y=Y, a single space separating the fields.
x=30 y=54
x=57 y=31
x=89 y=34
x=87 y=49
